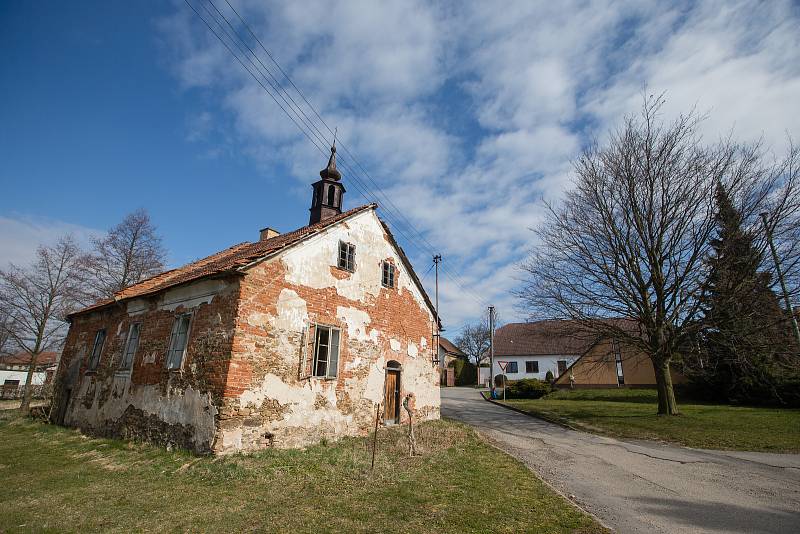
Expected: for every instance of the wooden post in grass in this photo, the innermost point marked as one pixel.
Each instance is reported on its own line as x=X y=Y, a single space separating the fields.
x=375 y=436
x=408 y=404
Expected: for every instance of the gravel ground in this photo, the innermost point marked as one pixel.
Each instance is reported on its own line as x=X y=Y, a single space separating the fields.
x=642 y=486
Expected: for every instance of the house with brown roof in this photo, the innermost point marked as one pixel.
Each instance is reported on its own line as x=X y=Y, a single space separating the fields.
x=568 y=350
x=14 y=372
x=530 y=350
x=282 y=342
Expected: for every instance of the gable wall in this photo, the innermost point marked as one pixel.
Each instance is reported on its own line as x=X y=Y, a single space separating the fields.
x=266 y=401
x=597 y=368
x=150 y=402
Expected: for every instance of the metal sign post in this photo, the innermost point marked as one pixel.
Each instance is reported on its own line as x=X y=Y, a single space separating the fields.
x=503 y=366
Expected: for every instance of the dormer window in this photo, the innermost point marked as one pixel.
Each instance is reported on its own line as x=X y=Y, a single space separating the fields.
x=347 y=256
x=388 y=276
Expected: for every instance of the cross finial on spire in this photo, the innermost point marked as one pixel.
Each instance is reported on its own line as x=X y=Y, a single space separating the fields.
x=330 y=172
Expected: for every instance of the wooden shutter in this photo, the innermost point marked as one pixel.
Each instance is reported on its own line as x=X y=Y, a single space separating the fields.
x=306 y=351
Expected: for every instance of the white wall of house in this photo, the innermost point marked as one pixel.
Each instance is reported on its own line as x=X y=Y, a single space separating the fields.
x=543 y=363
x=37 y=380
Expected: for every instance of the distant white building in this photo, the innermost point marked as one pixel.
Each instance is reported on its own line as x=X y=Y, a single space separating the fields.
x=529 y=350
x=14 y=372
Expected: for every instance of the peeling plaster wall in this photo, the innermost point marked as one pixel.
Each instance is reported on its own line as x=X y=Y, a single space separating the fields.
x=268 y=401
x=149 y=402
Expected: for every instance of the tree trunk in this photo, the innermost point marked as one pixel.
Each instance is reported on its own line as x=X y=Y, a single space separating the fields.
x=666 y=394
x=25 y=407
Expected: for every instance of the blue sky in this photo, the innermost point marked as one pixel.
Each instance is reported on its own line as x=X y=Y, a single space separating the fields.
x=466 y=115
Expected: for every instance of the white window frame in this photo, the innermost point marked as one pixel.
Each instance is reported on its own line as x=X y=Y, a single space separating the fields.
x=388 y=274
x=333 y=350
x=346 y=256
x=97 y=350
x=174 y=339
x=126 y=364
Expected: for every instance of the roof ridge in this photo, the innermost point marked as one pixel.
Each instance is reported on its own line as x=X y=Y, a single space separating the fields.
x=227 y=259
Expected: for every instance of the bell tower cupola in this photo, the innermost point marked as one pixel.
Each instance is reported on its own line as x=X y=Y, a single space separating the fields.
x=328 y=192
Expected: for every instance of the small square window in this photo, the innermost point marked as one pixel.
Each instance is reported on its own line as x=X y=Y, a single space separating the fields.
x=347 y=256
x=131 y=345
x=387 y=278
x=512 y=367
x=97 y=348
x=178 y=340
x=326 y=351
x=532 y=366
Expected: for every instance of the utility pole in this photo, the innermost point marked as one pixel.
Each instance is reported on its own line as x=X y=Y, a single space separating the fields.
x=780 y=276
x=436 y=260
x=491 y=351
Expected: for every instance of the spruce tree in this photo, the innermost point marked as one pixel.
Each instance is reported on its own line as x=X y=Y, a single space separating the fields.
x=744 y=335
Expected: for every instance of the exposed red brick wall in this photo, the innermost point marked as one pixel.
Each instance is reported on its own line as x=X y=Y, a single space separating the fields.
x=204 y=369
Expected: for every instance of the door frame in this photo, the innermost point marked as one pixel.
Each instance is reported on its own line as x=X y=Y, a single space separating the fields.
x=393 y=368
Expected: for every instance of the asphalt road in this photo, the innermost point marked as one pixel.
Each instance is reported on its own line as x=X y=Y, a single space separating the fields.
x=642 y=486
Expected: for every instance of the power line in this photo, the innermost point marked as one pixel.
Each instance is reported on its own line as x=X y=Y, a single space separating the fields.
x=309 y=125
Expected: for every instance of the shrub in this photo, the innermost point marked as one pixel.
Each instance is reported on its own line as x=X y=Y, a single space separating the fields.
x=528 y=388
x=549 y=376
x=465 y=372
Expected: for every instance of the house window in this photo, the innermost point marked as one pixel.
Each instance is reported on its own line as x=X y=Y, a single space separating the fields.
x=562 y=367
x=532 y=367
x=347 y=256
x=97 y=348
x=130 y=346
x=326 y=351
x=387 y=280
x=10 y=382
x=512 y=367
x=177 y=341
x=618 y=363
x=331 y=195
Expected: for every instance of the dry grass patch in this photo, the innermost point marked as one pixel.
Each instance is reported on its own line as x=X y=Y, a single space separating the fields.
x=458 y=484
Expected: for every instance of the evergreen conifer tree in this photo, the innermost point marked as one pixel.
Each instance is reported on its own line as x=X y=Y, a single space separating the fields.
x=745 y=340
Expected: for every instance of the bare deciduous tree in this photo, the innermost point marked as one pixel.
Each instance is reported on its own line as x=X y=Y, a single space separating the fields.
x=37 y=300
x=630 y=240
x=474 y=342
x=129 y=253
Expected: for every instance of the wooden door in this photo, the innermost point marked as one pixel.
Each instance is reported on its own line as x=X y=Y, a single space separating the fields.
x=391 y=410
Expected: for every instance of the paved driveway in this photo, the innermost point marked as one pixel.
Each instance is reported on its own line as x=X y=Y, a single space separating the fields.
x=638 y=486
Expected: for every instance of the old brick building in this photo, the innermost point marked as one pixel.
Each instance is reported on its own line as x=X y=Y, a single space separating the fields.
x=282 y=342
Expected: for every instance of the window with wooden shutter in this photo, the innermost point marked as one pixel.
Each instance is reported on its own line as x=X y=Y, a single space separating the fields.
x=97 y=348
x=326 y=351
x=177 y=341
x=131 y=345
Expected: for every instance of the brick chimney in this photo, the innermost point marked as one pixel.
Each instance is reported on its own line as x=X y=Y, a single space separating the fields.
x=268 y=233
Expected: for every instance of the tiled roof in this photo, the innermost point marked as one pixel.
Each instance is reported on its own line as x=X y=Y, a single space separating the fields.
x=24 y=358
x=449 y=348
x=542 y=338
x=225 y=261
x=555 y=337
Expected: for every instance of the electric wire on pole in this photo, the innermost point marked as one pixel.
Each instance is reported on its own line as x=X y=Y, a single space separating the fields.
x=491 y=352
x=438 y=327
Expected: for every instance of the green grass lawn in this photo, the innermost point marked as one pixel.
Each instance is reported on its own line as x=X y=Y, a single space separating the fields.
x=631 y=413
x=55 y=479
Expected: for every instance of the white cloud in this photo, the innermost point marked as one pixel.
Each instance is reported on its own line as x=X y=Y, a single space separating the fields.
x=534 y=82
x=21 y=235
